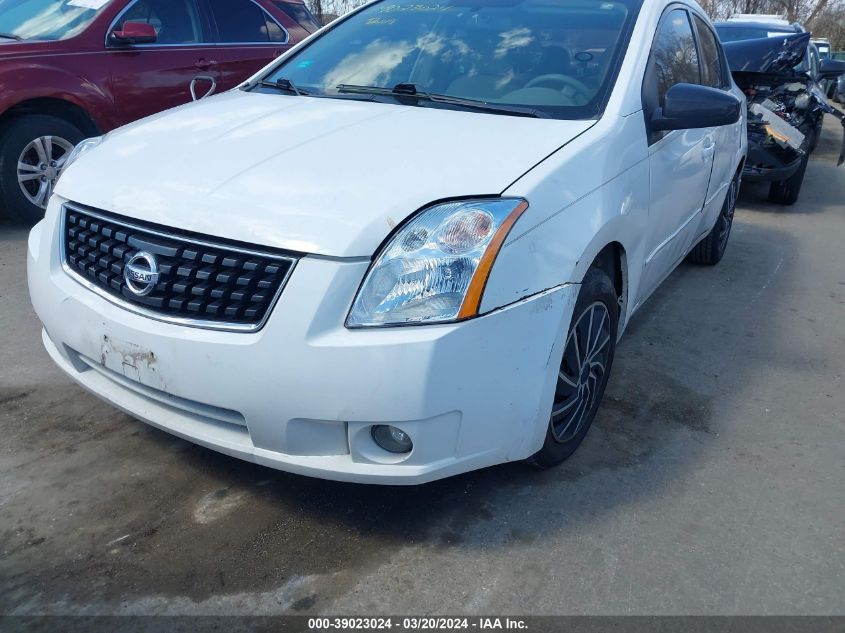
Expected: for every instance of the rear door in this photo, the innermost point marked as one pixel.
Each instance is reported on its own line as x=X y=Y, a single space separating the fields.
x=715 y=74
x=301 y=22
x=248 y=38
x=680 y=161
x=149 y=78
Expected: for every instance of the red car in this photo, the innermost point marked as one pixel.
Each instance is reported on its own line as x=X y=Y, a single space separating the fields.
x=70 y=69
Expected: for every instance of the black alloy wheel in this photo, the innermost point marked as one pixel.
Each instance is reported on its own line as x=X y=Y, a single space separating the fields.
x=584 y=369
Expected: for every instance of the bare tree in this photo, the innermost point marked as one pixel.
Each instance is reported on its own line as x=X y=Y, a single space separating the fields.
x=807 y=12
x=324 y=9
x=830 y=23
x=816 y=12
x=826 y=18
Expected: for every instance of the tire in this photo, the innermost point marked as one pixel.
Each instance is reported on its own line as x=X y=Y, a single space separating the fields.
x=22 y=141
x=817 y=134
x=786 y=191
x=711 y=249
x=598 y=306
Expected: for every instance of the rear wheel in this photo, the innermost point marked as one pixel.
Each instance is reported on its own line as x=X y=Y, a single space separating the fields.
x=33 y=151
x=584 y=370
x=786 y=191
x=711 y=249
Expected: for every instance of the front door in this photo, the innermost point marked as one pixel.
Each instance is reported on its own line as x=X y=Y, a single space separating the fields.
x=149 y=78
x=680 y=162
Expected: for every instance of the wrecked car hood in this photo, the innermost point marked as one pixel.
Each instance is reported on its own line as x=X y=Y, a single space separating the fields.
x=783 y=101
x=780 y=54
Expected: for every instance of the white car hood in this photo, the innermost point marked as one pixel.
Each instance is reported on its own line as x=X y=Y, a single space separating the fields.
x=324 y=176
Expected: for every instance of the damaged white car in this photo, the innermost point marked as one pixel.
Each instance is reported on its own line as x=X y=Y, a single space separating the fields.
x=406 y=249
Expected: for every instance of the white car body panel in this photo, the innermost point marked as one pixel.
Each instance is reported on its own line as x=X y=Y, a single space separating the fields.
x=688 y=155
x=332 y=179
x=587 y=208
x=280 y=152
x=283 y=417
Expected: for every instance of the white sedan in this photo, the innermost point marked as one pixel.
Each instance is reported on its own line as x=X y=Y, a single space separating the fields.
x=407 y=248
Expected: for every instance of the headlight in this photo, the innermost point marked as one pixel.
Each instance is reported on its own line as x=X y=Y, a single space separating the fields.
x=80 y=149
x=433 y=270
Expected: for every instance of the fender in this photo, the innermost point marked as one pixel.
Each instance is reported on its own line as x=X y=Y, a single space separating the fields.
x=45 y=81
x=580 y=200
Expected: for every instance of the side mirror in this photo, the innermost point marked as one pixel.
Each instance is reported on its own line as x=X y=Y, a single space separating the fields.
x=689 y=106
x=831 y=68
x=134 y=33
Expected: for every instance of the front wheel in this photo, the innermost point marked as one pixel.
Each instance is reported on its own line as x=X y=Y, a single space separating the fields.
x=817 y=134
x=584 y=370
x=786 y=191
x=33 y=151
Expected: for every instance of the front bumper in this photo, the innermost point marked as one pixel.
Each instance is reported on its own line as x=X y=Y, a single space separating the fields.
x=771 y=174
x=302 y=393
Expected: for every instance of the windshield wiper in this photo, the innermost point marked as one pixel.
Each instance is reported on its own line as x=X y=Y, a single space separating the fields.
x=408 y=90
x=284 y=84
x=12 y=36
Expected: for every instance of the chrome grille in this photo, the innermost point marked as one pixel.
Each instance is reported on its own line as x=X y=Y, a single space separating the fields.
x=202 y=281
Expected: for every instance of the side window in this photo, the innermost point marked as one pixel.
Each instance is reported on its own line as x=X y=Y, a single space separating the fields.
x=299 y=13
x=674 y=56
x=243 y=21
x=175 y=21
x=711 y=60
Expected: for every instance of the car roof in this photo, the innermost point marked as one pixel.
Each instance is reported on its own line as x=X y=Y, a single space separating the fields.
x=774 y=26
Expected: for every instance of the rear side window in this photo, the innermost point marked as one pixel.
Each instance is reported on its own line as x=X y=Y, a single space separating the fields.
x=299 y=13
x=674 y=56
x=175 y=21
x=711 y=60
x=243 y=21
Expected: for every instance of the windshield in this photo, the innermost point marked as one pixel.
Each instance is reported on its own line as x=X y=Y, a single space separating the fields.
x=47 y=19
x=740 y=33
x=555 y=56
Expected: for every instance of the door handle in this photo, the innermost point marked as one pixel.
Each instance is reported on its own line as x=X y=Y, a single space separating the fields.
x=204 y=64
x=211 y=90
x=708 y=150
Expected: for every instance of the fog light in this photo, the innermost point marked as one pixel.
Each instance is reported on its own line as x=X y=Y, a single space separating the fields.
x=392 y=439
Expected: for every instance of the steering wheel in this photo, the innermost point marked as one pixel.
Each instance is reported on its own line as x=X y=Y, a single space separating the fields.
x=569 y=86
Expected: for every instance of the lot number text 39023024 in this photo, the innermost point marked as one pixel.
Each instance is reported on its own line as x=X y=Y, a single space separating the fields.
x=416 y=623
